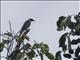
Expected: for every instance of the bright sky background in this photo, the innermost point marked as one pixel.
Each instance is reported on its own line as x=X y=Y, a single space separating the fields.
x=45 y=13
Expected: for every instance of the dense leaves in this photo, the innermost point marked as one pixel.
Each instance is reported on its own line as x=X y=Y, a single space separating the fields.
x=31 y=54
x=66 y=41
x=18 y=45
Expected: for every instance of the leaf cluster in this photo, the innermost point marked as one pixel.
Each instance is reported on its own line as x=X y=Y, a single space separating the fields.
x=19 y=48
x=66 y=42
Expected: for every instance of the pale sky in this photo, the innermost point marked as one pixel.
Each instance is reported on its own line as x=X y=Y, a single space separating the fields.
x=45 y=13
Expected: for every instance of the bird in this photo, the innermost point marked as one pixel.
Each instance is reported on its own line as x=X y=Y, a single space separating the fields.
x=26 y=25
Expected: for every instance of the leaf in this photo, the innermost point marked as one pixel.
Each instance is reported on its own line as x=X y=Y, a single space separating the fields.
x=62 y=17
x=62 y=41
x=1 y=47
x=44 y=48
x=69 y=43
x=8 y=34
x=74 y=42
x=24 y=37
x=58 y=56
x=61 y=23
x=68 y=20
x=77 y=32
x=25 y=58
x=37 y=45
x=19 y=56
x=64 y=48
x=77 y=18
x=78 y=40
x=77 y=58
x=31 y=54
x=77 y=51
x=49 y=55
x=19 y=39
x=27 y=46
x=72 y=25
x=67 y=55
x=71 y=51
x=6 y=41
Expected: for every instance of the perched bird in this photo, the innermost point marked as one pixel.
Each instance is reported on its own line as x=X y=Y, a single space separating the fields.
x=26 y=25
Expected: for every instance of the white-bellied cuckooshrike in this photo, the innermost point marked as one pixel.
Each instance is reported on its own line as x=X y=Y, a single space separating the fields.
x=26 y=25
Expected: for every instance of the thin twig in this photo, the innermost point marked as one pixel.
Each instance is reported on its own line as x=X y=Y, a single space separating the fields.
x=10 y=27
x=11 y=43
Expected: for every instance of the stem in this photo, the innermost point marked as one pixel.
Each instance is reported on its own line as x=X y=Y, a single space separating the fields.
x=23 y=50
x=40 y=54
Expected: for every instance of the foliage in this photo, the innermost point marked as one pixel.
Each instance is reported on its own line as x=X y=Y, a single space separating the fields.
x=23 y=49
x=70 y=24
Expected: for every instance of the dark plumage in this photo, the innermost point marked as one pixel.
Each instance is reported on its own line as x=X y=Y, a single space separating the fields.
x=26 y=25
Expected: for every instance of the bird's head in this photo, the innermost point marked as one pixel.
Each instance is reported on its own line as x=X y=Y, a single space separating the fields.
x=31 y=19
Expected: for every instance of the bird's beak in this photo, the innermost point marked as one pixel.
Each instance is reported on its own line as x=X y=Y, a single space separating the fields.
x=32 y=20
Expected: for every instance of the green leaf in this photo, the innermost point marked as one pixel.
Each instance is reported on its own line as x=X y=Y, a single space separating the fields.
x=69 y=43
x=61 y=24
x=24 y=37
x=6 y=41
x=62 y=42
x=8 y=34
x=69 y=23
x=62 y=39
x=19 y=39
x=19 y=56
x=77 y=51
x=74 y=42
x=1 y=47
x=68 y=19
x=77 y=18
x=31 y=54
x=49 y=55
x=44 y=48
x=77 y=32
x=58 y=56
x=37 y=45
x=27 y=46
x=72 y=25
